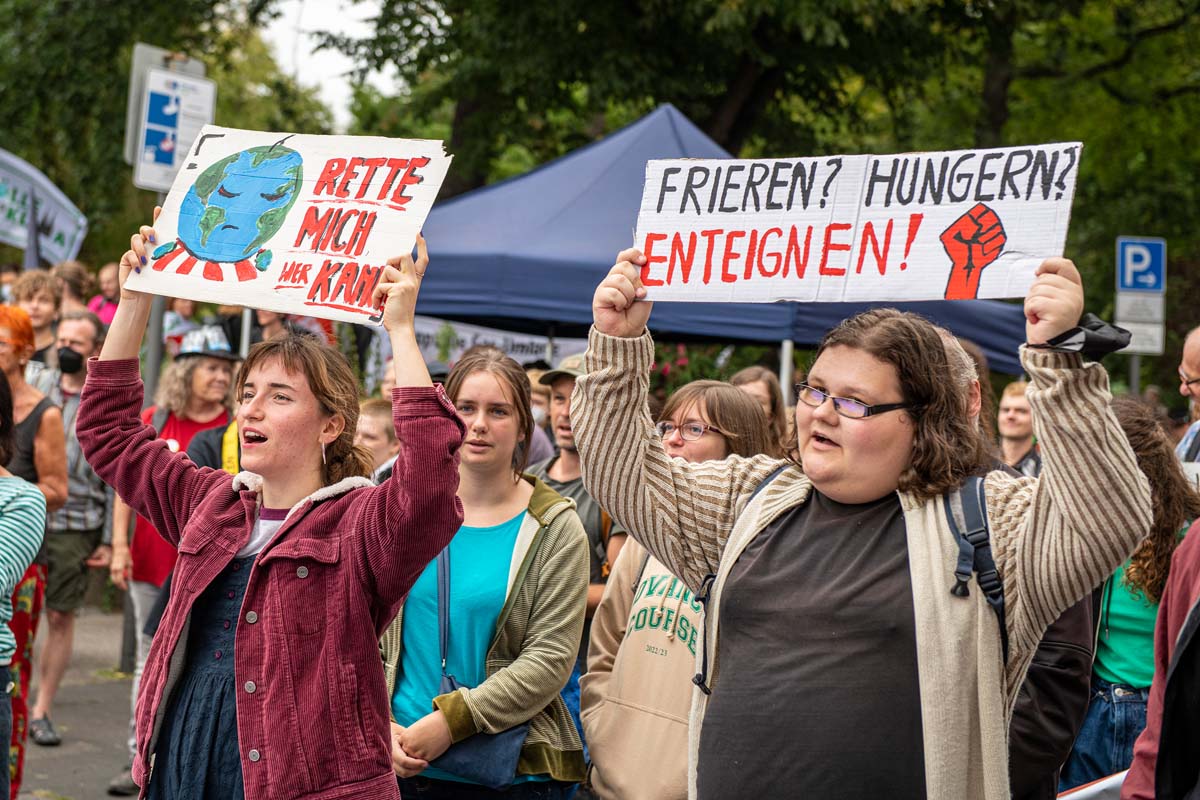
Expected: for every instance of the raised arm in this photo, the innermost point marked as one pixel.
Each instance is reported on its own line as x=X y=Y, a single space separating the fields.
x=126 y=453
x=682 y=513
x=408 y=519
x=1058 y=537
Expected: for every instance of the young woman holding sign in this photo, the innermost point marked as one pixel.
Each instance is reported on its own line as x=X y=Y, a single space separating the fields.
x=300 y=557
x=837 y=661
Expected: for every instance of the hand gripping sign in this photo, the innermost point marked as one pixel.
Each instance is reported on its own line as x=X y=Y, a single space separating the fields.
x=919 y=226
x=291 y=223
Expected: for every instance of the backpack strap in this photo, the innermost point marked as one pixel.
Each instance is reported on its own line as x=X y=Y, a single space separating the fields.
x=1193 y=451
x=701 y=678
x=966 y=511
x=159 y=419
x=606 y=524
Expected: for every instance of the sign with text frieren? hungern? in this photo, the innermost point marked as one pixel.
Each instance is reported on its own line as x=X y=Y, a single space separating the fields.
x=291 y=223
x=918 y=226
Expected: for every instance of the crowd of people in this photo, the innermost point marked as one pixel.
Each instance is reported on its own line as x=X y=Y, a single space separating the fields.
x=544 y=584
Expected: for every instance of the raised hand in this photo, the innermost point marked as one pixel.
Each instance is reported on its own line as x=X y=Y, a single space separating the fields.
x=617 y=306
x=137 y=256
x=396 y=292
x=972 y=241
x=1055 y=301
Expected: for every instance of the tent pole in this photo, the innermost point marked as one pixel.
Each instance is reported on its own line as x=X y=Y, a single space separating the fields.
x=786 y=349
x=550 y=345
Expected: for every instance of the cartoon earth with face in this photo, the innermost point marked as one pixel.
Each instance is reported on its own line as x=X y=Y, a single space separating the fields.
x=232 y=209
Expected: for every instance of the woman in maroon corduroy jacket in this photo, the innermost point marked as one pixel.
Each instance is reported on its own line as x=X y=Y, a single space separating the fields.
x=300 y=557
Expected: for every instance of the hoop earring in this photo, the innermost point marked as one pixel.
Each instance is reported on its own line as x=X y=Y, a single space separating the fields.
x=323 y=461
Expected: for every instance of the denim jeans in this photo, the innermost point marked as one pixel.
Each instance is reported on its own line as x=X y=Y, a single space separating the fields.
x=427 y=789
x=5 y=722
x=1115 y=718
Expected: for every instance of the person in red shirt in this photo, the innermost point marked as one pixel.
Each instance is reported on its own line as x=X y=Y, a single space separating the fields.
x=192 y=396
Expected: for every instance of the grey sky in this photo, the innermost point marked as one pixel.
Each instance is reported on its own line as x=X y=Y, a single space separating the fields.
x=290 y=35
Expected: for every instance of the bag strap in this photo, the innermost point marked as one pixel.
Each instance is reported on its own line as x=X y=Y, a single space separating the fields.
x=443 y=590
x=1193 y=451
x=159 y=419
x=966 y=511
x=702 y=596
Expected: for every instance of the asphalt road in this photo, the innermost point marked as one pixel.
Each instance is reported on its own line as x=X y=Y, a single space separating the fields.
x=91 y=714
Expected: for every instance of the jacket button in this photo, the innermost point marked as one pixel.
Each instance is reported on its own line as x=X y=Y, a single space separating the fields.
x=251 y=617
x=254 y=755
x=250 y=687
x=301 y=572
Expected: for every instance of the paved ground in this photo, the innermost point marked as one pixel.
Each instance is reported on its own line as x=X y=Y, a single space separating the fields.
x=91 y=713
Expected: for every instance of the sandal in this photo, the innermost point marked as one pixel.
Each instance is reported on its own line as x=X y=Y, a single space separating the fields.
x=42 y=732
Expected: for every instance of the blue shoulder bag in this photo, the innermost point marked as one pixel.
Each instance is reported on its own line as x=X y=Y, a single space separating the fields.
x=488 y=759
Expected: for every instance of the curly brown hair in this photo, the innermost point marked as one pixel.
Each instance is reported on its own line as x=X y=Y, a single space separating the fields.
x=947 y=444
x=1174 y=499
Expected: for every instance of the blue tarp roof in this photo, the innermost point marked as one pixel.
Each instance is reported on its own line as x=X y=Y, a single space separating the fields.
x=533 y=248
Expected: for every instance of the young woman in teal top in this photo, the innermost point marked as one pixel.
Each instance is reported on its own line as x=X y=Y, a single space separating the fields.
x=1128 y=604
x=496 y=559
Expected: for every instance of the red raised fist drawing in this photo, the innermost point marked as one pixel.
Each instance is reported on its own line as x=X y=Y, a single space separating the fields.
x=972 y=241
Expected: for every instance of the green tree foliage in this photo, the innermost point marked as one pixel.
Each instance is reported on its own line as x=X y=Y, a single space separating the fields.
x=509 y=84
x=64 y=78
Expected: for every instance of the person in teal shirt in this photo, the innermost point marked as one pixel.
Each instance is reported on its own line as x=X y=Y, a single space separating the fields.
x=517 y=598
x=1128 y=601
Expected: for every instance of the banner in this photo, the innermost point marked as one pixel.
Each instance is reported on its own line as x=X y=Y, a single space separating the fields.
x=444 y=341
x=61 y=226
x=918 y=226
x=291 y=223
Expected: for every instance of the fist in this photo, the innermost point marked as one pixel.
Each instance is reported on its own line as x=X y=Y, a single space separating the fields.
x=1055 y=301
x=618 y=308
x=972 y=241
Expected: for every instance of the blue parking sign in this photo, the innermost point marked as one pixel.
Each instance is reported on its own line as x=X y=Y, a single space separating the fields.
x=1141 y=264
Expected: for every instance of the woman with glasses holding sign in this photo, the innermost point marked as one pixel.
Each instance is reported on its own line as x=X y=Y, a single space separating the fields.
x=848 y=651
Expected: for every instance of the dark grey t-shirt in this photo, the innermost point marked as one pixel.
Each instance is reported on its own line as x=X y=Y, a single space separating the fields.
x=817 y=695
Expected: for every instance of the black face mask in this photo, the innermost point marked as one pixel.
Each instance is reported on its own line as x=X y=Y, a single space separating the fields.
x=69 y=361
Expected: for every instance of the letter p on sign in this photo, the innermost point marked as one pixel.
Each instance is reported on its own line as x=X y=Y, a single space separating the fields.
x=1141 y=264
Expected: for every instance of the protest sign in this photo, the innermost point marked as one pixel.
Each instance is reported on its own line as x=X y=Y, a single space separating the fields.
x=918 y=226
x=291 y=223
x=445 y=341
x=61 y=227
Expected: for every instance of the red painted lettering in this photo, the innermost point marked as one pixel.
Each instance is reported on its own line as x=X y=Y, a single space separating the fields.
x=651 y=259
x=762 y=250
x=831 y=246
x=328 y=179
x=683 y=258
x=730 y=256
x=880 y=254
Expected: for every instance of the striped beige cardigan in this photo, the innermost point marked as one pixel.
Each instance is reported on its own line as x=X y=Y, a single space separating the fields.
x=534 y=648
x=1054 y=538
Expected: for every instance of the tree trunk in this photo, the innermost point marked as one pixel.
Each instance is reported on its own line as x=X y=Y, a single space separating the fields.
x=997 y=76
x=472 y=151
x=725 y=119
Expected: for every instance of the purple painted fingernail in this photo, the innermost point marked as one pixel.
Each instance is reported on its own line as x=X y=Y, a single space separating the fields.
x=143 y=261
x=152 y=239
x=138 y=270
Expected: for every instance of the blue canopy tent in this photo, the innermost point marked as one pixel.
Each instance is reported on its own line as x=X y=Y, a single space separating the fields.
x=527 y=253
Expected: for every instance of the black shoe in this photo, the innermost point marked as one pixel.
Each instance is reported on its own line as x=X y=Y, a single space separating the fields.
x=42 y=732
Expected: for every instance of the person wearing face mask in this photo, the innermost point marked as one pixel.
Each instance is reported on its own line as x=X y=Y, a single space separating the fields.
x=837 y=659
x=637 y=691
x=540 y=447
x=78 y=535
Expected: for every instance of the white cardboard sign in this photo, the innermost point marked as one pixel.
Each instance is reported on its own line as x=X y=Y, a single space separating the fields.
x=918 y=226
x=291 y=223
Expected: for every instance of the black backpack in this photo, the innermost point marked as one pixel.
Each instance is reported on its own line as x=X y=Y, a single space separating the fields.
x=966 y=511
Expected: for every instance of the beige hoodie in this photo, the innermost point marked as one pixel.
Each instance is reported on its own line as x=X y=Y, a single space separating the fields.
x=637 y=693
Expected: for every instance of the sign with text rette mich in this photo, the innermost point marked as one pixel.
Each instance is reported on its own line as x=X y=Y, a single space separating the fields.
x=919 y=226
x=291 y=223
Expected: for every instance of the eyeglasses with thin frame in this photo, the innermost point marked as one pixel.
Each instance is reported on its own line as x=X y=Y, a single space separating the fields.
x=851 y=409
x=690 y=431
x=1186 y=381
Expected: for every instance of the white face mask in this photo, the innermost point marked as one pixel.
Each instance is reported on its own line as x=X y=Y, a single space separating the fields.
x=539 y=415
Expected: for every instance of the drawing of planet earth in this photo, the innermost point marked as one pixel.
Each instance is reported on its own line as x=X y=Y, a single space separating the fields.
x=240 y=202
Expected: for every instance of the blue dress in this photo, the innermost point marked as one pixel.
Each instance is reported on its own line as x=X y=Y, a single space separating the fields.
x=197 y=750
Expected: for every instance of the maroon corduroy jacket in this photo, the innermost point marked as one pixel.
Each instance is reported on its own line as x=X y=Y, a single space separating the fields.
x=312 y=710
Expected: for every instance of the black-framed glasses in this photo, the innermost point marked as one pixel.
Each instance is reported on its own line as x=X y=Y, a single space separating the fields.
x=1186 y=381
x=852 y=409
x=690 y=431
